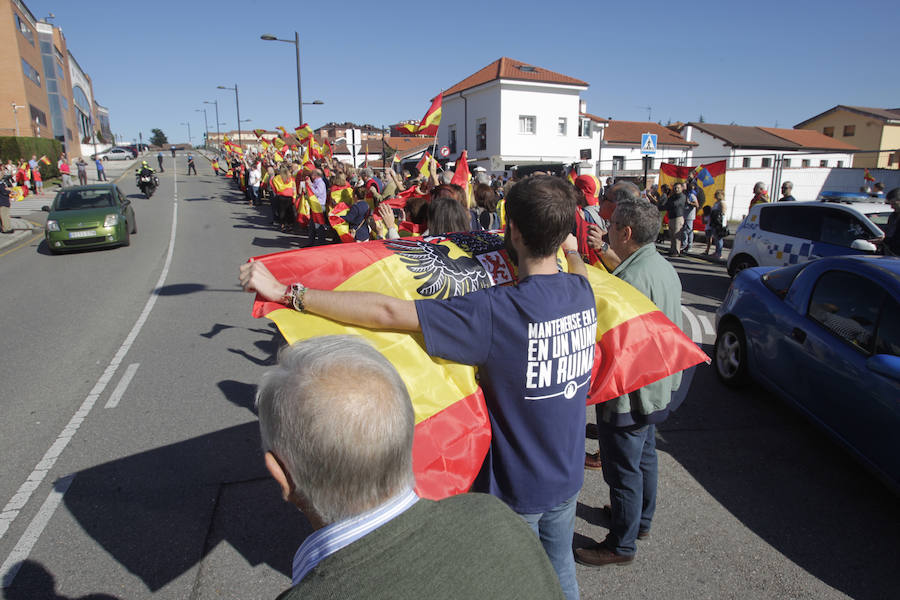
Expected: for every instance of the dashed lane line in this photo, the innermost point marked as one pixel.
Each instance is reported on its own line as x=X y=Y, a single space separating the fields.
x=37 y=475
x=123 y=385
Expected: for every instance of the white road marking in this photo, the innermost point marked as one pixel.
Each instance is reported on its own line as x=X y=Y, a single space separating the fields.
x=26 y=543
x=23 y=494
x=696 y=334
x=123 y=385
x=708 y=328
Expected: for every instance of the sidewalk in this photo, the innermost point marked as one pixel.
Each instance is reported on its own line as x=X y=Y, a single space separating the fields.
x=22 y=230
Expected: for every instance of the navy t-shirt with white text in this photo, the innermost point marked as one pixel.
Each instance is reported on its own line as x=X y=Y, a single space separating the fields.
x=533 y=344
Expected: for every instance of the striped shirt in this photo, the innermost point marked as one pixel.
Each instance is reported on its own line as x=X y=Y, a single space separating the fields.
x=328 y=540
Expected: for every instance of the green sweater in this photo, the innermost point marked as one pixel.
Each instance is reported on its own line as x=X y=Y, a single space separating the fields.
x=653 y=276
x=466 y=546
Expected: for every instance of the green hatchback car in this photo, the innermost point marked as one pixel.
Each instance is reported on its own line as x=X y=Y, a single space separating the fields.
x=89 y=216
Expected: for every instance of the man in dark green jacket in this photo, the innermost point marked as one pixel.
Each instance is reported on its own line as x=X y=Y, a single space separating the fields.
x=341 y=450
x=626 y=426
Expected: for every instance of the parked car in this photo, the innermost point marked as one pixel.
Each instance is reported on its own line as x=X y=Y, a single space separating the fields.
x=114 y=153
x=823 y=335
x=89 y=216
x=787 y=233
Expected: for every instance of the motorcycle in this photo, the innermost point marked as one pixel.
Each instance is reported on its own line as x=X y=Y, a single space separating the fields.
x=146 y=183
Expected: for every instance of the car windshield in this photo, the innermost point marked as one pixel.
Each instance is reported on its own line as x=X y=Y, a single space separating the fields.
x=780 y=280
x=78 y=199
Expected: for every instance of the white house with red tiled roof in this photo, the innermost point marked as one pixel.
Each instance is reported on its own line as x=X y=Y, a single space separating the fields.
x=619 y=148
x=510 y=114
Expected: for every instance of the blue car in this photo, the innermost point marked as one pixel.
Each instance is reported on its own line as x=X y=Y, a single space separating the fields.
x=825 y=336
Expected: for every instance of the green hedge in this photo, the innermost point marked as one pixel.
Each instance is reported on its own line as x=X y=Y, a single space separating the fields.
x=14 y=148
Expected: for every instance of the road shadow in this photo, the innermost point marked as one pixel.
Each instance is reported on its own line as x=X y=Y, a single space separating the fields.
x=160 y=512
x=35 y=582
x=788 y=483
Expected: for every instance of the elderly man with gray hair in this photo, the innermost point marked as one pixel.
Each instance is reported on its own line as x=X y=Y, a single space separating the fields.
x=341 y=450
x=626 y=426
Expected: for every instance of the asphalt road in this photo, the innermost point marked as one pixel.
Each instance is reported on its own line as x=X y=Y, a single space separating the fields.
x=130 y=453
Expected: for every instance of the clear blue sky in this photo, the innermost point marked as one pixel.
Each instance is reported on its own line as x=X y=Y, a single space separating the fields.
x=761 y=63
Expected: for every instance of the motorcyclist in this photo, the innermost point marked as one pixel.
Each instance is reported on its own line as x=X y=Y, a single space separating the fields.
x=145 y=169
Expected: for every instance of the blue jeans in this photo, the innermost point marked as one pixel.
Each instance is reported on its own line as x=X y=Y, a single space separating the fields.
x=630 y=469
x=556 y=528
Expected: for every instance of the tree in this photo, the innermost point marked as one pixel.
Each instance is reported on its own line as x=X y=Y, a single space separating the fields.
x=158 y=138
x=701 y=120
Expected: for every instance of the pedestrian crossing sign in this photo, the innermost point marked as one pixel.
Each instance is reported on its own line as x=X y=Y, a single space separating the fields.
x=648 y=143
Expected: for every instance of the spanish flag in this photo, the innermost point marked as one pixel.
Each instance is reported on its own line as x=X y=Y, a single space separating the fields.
x=636 y=343
x=396 y=158
x=282 y=130
x=259 y=132
x=337 y=222
x=429 y=123
x=279 y=143
x=710 y=178
x=303 y=132
x=424 y=165
x=867 y=176
x=461 y=177
x=44 y=159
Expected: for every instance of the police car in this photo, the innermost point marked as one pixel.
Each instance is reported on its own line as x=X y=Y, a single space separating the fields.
x=787 y=233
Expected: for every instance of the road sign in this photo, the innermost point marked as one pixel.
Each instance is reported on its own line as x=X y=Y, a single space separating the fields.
x=648 y=143
x=445 y=151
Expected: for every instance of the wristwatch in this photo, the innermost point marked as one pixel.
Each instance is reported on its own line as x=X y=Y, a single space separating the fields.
x=293 y=296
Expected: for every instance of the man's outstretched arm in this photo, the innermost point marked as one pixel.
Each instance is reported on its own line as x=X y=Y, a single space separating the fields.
x=365 y=309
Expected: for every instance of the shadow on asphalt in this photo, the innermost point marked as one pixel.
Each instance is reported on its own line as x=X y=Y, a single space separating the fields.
x=38 y=582
x=789 y=484
x=161 y=512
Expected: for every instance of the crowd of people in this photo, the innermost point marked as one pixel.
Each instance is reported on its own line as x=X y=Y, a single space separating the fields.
x=536 y=461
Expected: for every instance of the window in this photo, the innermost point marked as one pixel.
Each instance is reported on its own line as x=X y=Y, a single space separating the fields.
x=786 y=163
x=796 y=221
x=840 y=228
x=849 y=130
x=58 y=54
x=24 y=29
x=847 y=305
x=805 y=162
x=840 y=163
x=618 y=163
x=451 y=143
x=64 y=102
x=829 y=131
x=562 y=126
x=480 y=134
x=38 y=116
x=888 y=339
x=527 y=124
x=584 y=128
x=31 y=73
x=59 y=73
x=766 y=161
x=823 y=163
x=746 y=162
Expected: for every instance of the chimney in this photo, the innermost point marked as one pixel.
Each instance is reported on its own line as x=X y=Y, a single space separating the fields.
x=582 y=106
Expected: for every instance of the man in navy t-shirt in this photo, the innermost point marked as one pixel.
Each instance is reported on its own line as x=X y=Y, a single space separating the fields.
x=533 y=343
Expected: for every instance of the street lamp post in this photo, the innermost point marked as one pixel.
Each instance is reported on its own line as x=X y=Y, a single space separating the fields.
x=296 y=42
x=218 y=135
x=16 y=108
x=205 y=125
x=237 y=104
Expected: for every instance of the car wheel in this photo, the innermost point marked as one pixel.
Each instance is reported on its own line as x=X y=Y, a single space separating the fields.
x=742 y=262
x=731 y=355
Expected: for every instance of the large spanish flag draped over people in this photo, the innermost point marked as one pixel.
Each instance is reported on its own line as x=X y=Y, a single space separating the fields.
x=635 y=345
x=429 y=123
x=709 y=177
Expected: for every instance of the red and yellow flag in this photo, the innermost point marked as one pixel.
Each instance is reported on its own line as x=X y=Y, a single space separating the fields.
x=259 y=132
x=424 y=165
x=867 y=176
x=303 y=132
x=429 y=123
x=337 y=222
x=44 y=159
x=636 y=343
x=710 y=178
x=461 y=177
x=282 y=130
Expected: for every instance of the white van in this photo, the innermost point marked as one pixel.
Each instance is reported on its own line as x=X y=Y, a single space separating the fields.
x=786 y=233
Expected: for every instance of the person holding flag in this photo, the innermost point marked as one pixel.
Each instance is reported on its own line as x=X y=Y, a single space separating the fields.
x=536 y=403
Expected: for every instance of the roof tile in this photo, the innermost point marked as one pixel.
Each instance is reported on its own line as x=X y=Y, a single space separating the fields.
x=508 y=68
x=629 y=132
